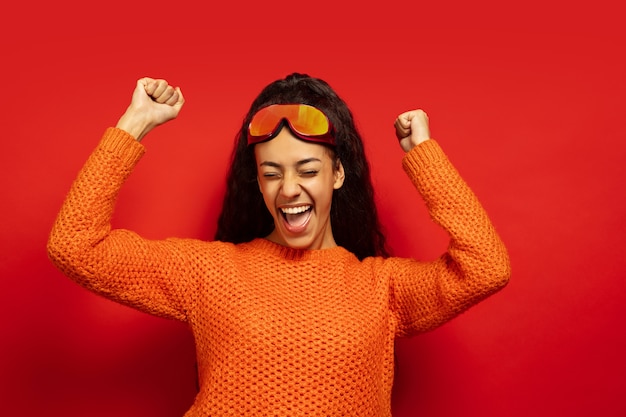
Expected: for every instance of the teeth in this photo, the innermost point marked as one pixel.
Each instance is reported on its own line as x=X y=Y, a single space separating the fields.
x=295 y=210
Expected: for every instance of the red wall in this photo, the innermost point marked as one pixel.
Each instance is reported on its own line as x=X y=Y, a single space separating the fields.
x=528 y=102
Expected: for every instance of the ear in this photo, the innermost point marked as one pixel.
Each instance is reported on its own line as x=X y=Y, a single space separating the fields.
x=340 y=175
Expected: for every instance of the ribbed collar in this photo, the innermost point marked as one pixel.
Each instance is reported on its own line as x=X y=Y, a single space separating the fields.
x=287 y=253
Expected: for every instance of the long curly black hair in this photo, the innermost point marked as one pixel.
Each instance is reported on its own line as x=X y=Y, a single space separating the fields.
x=354 y=218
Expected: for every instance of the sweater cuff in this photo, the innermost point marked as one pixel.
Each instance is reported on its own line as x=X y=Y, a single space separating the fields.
x=421 y=156
x=123 y=144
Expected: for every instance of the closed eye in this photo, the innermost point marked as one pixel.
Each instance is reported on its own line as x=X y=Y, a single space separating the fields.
x=271 y=174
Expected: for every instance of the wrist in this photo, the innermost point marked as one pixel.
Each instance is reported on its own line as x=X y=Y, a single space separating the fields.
x=418 y=141
x=134 y=125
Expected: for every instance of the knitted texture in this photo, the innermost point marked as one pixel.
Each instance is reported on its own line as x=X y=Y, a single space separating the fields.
x=280 y=331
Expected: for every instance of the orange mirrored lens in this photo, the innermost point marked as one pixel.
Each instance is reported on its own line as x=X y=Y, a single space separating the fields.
x=309 y=121
x=305 y=120
x=264 y=122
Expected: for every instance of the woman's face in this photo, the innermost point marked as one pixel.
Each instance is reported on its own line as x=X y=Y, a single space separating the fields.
x=297 y=180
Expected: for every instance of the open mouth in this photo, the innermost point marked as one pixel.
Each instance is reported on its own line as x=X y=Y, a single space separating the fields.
x=296 y=217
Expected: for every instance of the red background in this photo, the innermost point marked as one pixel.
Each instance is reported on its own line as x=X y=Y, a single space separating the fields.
x=526 y=99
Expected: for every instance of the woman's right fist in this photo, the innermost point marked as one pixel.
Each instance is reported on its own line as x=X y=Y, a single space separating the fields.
x=161 y=92
x=154 y=102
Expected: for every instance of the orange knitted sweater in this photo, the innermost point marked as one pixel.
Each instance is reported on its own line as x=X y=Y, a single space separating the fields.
x=279 y=331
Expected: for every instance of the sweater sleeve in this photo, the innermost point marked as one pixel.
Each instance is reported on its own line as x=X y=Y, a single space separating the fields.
x=476 y=264
x=117 y=264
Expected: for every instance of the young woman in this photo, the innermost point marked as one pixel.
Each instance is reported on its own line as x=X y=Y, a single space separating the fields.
x=296 y=304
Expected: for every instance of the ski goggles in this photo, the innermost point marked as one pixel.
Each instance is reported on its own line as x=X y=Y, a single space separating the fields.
x=305 y=122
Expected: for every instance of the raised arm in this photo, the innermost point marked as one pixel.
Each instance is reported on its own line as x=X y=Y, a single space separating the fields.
x=476 y=264
x=119 y=264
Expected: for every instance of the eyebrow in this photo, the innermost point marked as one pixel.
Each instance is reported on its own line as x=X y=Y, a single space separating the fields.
x=299 y=163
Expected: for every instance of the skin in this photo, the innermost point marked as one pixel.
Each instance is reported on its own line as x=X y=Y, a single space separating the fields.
x=291 y=172
x=154 y=102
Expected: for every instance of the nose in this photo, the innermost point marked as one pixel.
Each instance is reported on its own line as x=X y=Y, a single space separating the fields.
x=291 y=186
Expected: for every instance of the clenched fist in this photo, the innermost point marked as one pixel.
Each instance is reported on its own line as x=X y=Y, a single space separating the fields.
x=154 y=102
x=412 y=128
